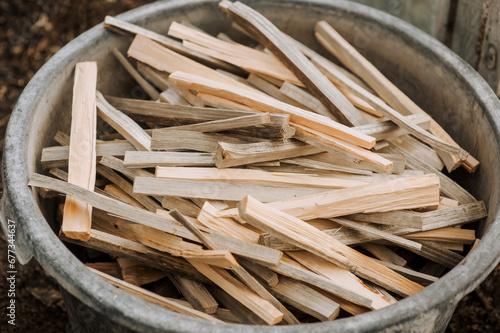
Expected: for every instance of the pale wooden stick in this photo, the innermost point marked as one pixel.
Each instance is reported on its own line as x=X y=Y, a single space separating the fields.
x=265 y=86
x=268 y=104
x=247 y=176
x=152 y=297
x=385 y=254
x=123 y=124
x=172 y=97
x=138 y=274
x=120 y=26
x=306 y=299
x=77 y=217
x=195 y=293
x=236 y=54
x=348 y=55
x=304 y=99
x=307 y=237
x=154 y=159
x=148 y=88
x=293 y=58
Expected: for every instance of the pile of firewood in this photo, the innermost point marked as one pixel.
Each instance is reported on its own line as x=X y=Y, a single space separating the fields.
x=286 y=187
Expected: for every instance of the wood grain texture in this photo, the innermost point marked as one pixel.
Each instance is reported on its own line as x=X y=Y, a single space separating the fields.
x=77 y=217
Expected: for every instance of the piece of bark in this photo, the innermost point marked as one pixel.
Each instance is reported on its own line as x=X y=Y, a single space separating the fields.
x=77 y=217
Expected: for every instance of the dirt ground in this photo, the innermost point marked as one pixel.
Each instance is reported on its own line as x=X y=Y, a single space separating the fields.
x=31 y=31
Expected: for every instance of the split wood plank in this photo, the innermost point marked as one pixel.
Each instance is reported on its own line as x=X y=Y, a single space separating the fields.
x=405 y=243
x=266 y=103
x=439 y=254
x=263 y=273
x=228 y=155
x=166 y=60
x=242 y=273
x=164 y=114
x=241 y=293
x=345 y=149
x=397 y=194
x=153 y=159
x=122 y=247
x=378 y=104
x=58 y=156
x=351 y=58
x=195 y=293
x=148 y=88
x=247 y=176
x=149 y=219
x=62 y=138
x=449 y=234
x=110 y=268
x=180 y=140
x=240 y=311
x=419 y=149
x=265 y=86
x=185 y=206
x=387 y=129
x=123 y=124
x=305 y=100
x=218 y=190
x=124 y=185
x=117 y=165
x=236 y=54
x=77 y=216
x=218 y=258
x=301 y=274
x=121 y=26
x=317 y=166
x=171 y=97
x=448 y=187
x=223 y=125
x=153 y=297
x=306 y=299
x=340 y=275
x=307 y=237
x=138 y=274
x=385 y=254
x=272 y=38
x=416 y=276
x=117 y=193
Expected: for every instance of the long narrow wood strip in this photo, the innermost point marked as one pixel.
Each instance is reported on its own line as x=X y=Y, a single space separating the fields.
x=77 y=217
x=351 y=58
x=337 y=146
x=154 y=159
x=118 y=193
x=241 y=273
x=419 y=150
x=448 y=187
x=148 y=88
x=271 y=37
x=228 y=155
x=236 y=54
x=181 y=140
x=340 y=79
x=340 y=275
x=166 y=60
x=449 y=234
x=405 y=243
x=137 y=273
x=268 y=104
x=387 y=129
x=301 y=274
x=241 y=312
x=311 y=163
x=120 y=26
x=418 y=277
x=240 y=292
x=263 y=273
x=307 y=237
x=306 y=299
x=153 y=297
x=123 y=184
x=247 y=176
x=439 y=254
x=122 y=247
x=123 y=124
x=195 y=293
x=224 y=125
x=56 y=157
x=385 y=254
x=146 y=218
x=265 y=86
